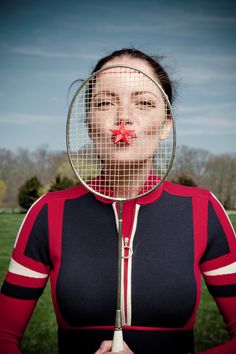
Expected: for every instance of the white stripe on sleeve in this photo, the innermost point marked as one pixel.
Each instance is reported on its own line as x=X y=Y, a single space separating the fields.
x=229 y=269
x=17 y=268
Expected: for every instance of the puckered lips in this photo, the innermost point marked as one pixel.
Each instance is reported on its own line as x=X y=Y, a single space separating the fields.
x=122 y=134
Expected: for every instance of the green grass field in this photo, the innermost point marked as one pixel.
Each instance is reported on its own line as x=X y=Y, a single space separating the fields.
x=41 y=334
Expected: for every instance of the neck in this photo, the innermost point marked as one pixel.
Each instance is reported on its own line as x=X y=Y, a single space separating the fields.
x=126 y=179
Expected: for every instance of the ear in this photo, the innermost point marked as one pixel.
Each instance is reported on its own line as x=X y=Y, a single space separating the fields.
x=166 y=128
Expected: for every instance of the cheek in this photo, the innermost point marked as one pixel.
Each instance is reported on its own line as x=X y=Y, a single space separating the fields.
x=151 y=126
x=156 y=123
x=100 y=123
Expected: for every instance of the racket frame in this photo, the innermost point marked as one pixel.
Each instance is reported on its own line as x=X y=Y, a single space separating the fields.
x=68 y=135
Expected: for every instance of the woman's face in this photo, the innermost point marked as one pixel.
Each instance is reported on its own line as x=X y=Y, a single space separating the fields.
x=127 y=116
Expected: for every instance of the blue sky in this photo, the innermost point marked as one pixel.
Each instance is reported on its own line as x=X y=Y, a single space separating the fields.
x=45 y=45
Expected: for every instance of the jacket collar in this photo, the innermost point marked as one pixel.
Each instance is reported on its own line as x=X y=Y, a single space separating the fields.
x=146 y=196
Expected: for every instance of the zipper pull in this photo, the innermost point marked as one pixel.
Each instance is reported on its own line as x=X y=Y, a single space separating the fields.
x=126 y=242
x=127 y=249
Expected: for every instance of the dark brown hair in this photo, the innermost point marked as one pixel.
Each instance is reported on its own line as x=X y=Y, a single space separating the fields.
x=160 y=72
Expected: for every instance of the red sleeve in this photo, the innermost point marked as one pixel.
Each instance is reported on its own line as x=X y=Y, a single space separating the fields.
x=219 y=271
x=226 y=348
x=15 y=315
x=26 y=277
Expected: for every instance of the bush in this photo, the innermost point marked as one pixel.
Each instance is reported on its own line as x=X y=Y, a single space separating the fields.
x=186 y=181
x=29 y=192
x=61 y=183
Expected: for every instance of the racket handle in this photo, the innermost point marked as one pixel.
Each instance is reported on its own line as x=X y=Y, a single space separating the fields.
x=117 y=344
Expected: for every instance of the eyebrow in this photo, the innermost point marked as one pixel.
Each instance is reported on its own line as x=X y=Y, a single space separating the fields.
x=113 y=94
x=144 y=92
x=110 y=93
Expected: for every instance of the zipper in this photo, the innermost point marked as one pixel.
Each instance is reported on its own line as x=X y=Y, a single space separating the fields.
x=126 y=262
x=126 y=267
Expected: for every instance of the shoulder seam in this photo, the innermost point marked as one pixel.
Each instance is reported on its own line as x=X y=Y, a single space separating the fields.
x=66 y=194
x=185 y=191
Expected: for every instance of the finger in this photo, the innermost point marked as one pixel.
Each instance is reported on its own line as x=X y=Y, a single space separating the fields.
x=104 y=347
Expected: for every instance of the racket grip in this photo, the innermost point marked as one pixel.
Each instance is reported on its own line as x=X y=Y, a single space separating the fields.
x=117 y=344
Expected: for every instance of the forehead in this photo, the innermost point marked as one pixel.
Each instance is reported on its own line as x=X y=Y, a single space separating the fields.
x=133 y=62
x=123 y=79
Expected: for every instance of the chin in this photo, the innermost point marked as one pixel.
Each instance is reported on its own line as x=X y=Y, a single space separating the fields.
x=126 y=159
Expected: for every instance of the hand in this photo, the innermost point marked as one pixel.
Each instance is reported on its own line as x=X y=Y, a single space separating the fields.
x=106 y=346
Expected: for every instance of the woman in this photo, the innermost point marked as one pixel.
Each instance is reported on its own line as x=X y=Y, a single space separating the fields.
x=177 y=233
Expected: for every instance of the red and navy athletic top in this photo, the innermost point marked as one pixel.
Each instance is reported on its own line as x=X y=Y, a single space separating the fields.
x=175 y=234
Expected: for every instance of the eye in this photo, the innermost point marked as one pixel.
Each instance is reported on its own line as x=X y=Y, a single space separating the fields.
x=146 y=104
x=103 y=104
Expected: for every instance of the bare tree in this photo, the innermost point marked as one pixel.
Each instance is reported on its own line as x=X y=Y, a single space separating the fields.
x=220 y=177
x=46 y=163
x=198 y=166
x=17 y=167
x=190 y=162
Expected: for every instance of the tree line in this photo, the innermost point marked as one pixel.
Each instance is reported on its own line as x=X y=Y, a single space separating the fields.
x=22 y=170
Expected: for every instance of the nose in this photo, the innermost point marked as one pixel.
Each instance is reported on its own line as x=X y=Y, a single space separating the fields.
x=124 y=113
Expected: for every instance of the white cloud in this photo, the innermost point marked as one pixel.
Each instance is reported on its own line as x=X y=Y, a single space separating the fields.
x=166 y=19
x=199 y=68
x=207 y=119
x=203 y=75
x=26 y=119
x=46 y=52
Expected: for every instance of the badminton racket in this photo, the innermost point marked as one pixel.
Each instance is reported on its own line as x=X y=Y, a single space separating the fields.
x=121 y=144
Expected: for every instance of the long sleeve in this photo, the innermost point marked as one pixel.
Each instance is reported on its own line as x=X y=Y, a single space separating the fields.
x=26 y=277
x=219 y=271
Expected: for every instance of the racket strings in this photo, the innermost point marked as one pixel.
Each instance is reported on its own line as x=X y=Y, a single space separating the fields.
x=120 y=133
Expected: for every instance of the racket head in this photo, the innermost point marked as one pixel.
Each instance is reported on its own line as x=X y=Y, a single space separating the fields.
x=120 y=121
